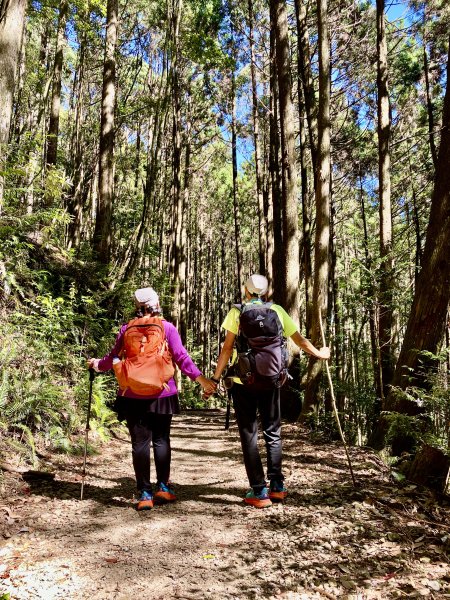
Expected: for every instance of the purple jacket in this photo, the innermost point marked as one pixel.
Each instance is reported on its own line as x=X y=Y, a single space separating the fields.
x=179 y=354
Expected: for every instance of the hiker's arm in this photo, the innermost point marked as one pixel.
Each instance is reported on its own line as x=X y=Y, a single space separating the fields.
x=304 y=344
x=225 y=354
x=184 y=362
x=105 y=363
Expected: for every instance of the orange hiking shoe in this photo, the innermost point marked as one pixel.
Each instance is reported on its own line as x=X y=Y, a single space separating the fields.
x=259 y=500
x=145 y=501
x=164 y=494
x=277 y=491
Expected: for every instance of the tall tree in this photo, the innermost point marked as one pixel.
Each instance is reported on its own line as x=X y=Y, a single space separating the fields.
x=386 y=279
x=53 y=125
x=102 y=232
x=322 y=237
x=262 y=233
x=12 y=22
x=291 y=268
x=428 y=316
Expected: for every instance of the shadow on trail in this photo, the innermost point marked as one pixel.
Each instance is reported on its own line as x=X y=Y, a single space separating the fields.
x=69 y=490
x=122 y=493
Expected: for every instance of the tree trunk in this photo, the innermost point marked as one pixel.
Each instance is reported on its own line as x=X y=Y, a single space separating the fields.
x=322 y=239
x=274 y=169
x=305 y=72
x=236 y=210
x=79 y=189
x=371 y=304
x=291 y=267
x=306 y=205
x=53 y=125
x=429 y=106
x=177 y=198
x=262 y=235
x=12 y=22
x=428 y=316
x=430 y=467
x=102 y=233
x=386 y=279
x=427 y=319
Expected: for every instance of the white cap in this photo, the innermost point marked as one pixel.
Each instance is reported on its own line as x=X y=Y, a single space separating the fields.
x=257 y=284
x=147 y=297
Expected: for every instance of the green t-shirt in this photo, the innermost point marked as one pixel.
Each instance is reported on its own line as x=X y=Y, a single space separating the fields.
x=231 y=322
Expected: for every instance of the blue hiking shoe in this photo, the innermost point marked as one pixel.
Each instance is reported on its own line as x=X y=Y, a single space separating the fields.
x=277 y=492
x=164 y=493
x=145 y=501
x=259 y=500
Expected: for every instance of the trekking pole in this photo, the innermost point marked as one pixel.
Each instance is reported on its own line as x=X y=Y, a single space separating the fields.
x=227 y=416
x=86 y=433
x=333 y=402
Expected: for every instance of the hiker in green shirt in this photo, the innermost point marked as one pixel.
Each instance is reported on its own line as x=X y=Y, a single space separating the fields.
x=261 y=371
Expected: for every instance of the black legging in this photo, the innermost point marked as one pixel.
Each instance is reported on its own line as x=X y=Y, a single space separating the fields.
x=247 y=402
x=145 y=429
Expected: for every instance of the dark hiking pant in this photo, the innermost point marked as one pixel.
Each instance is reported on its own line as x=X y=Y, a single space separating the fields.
x=146 y=429
x=247 y=403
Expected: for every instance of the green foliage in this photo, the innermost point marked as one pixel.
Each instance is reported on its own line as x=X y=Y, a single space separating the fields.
x=403 y=428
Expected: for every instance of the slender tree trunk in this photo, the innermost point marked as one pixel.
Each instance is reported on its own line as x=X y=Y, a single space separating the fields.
x=305 y=72
x=386 y=279
x=429 y=106
x=236 y=209
x=102 y=233
x=291 y=267
x=274 y=169
x=53 y=125
x=12 y=22
x=262 y=234
x=371 y=304
x=306 y=207
x=182 y=267
x=177 y=198
x=322 y=239
x=79 y=189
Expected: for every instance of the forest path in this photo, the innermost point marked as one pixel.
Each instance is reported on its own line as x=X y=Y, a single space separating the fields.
x=327 y=541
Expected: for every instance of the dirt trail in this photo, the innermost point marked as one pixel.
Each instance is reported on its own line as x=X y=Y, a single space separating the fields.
x=327 y=541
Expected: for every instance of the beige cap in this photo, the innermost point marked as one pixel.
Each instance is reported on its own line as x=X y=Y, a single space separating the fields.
x=147 y=297
x=257 y=284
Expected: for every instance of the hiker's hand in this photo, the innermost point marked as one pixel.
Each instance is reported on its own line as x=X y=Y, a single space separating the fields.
x=209 y=386
x=92 y=363
x=324 y=353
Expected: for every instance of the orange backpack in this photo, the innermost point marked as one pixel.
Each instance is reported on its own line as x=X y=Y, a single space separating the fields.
x=146 y=364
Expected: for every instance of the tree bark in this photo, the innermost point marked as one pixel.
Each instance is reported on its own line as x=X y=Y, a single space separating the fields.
x=274 y=169
x=429 y=106
x=53 y=125
x=291 y=267
x=386 y=279
x=12 y=22
x=427 y=319
x=236 y=209
x=262 y=234
x=305 y=72
x=102 y=232
x=322 y=238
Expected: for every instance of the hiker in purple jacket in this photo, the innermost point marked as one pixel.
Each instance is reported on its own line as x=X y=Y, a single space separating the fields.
x=149 y=418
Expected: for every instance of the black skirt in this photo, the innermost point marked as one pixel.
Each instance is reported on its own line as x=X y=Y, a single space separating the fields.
x=124 y=406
